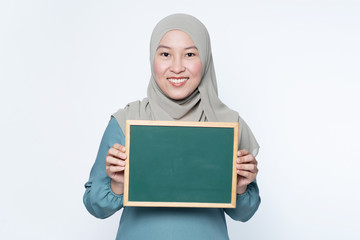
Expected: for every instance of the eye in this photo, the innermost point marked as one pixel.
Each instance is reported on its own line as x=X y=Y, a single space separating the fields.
x=165 y=54
x=190 y=54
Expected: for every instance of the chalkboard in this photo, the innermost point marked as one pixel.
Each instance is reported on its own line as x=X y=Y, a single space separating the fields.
x=180 y=164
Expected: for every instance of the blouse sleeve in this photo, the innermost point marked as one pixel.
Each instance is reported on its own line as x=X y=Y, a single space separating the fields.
x=99 y=199
x=248 y=202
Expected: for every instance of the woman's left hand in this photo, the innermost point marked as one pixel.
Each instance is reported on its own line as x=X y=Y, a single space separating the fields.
x=246 y=168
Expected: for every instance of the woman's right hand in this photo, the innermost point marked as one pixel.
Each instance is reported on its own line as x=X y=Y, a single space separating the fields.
x=115 y=165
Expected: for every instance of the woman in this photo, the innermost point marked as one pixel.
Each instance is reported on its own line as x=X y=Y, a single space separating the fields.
x=182 y=87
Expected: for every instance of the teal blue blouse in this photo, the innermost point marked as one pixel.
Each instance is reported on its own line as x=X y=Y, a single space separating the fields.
x=159 y=223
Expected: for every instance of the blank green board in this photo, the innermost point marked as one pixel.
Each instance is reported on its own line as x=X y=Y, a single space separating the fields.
x=180 y=164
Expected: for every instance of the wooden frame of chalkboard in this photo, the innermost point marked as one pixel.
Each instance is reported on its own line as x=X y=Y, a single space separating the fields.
x=180 y=164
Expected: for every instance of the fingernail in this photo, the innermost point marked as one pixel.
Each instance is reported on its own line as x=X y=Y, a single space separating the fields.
x=238 y=160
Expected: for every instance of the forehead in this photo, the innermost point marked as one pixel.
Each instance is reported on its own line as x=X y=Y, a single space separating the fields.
x=174 y=38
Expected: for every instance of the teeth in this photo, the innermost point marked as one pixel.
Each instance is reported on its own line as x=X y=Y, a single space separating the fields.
x=173 y=80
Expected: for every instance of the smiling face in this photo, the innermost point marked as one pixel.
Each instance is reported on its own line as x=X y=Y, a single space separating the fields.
x=177 y=65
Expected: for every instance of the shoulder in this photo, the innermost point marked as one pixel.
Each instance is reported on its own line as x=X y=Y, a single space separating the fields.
x=113 y=126
x=133 y=110
x=113 y=133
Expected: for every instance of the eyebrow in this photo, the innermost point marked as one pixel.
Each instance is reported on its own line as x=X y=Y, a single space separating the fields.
x=163 y=46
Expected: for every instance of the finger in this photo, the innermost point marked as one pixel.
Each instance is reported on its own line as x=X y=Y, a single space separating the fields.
x=243 y=152
x=114 y=169
x=247 y=167
x=114 y=161
x=246 y=174
x=246 y=159
x=116 y=153
x=119 y=147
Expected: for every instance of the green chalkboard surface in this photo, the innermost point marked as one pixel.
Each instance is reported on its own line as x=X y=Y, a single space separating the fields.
x=180 y=164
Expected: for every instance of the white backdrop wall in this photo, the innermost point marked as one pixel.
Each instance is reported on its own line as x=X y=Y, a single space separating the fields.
x=291 y=69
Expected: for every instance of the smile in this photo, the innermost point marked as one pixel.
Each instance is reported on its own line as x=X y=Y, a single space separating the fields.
x=177 y=82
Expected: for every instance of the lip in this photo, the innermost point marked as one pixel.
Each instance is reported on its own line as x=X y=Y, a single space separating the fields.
x=177 y=77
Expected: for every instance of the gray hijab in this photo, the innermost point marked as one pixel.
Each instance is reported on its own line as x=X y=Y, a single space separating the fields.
x=203 y=104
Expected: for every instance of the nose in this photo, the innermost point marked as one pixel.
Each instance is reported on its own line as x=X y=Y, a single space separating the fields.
x=177 y=65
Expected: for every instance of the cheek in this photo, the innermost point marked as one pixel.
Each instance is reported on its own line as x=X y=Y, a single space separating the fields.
x=196 y=69
x=159 y=68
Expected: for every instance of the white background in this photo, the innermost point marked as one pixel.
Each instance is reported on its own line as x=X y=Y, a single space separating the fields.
x=290 y=68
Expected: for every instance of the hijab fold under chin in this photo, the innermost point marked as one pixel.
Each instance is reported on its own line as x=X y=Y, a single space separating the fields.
x=165 y=108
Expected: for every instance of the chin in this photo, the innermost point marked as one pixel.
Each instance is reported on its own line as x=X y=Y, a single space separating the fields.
x=178 y=96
